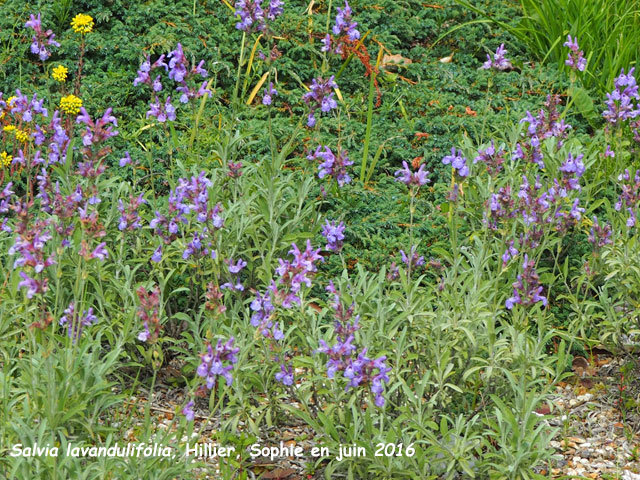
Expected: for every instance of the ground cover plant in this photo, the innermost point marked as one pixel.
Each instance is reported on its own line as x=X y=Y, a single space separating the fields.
x=378 y=225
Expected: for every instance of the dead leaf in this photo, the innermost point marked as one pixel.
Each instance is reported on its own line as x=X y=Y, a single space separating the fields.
x=544 y=410
x=587 y=383
x=473 y=113
x=315 y=306
x=415 y=163
x=279 y=473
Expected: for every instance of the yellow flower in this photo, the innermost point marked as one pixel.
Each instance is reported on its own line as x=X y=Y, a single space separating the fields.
x=70 y=104
x=9 y=128
x=5 y=159
x=22 y=136
x=82 y=23
x=60 y=73
x=10 y=101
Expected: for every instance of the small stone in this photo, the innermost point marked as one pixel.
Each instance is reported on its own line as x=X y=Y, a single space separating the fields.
x=576 y=439
x=585 y=454
x=587 y=397
x=573 y=402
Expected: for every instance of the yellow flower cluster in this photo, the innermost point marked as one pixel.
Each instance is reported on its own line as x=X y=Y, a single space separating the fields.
x=10 y=101
x=22 y=136
x=9 y=128
x=5 y=159
x=59 y=73
x=70 y=104
x=82 y=23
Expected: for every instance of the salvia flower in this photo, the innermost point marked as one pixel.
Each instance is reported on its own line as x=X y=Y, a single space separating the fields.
x=411 y=179
x=334 y=234
x=575 y=57
x=413 y=259
x=458 y=162
x=99 y=130
x=33 y=286
x=149 y=313
x=344 y=25
x=275 y=9
x=320 y=96
x=262 y=311
x=339 y=354
x=188 y=412
x=234 y=270
x=509 y=253
x=366 y=372
x=235 y=169
x=252 y=17
x=394 y=272
x=100 y=252
x=609 y=153
x=573 y=168
x=157 y=255
x=41 y=39
x=268 y=94
x=599 y=236
x=499 y=62
x=491 y=158
x=218 y=362
x=126 y=160
x=526 y=289
x=162 y=112
x=332 y=165
x=620 y=102
x=129 y=217
x=629 y=198
x=296 y=273
x=214 y=299
x=285 y=375
x=75 y=322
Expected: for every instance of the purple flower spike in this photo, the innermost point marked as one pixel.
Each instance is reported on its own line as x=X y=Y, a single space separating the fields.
x=268 y=94
x=218 y=362
x=360 y=373
x=344 y=25
x=41 y=39
x=509 y=253
x=527 y=288
x=157 y=255
x=409 y=178
x=575 y=57
x=413 y=259
x=620 y=103
x=252 y=16
x=332 y=165
x=285 y=375
x=458 y=162
x=188 y=412
x=320 y=96
x=334 y=233
x=499 y=61
x=75 y=323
